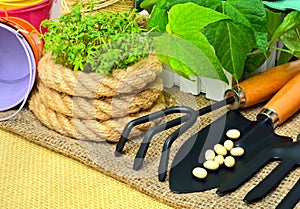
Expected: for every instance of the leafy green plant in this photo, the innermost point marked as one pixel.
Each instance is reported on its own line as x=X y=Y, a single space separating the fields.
x=120 y=53
x=234 y=35
x=93 y=42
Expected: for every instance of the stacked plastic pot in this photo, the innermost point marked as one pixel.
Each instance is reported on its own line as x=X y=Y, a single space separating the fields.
x=33 y=11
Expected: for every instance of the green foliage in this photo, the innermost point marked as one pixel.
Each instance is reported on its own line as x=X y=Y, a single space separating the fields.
x=159 y=14
x=288 y=32
x=194 y=47
x=120 y=53
x=232 y=49
x=274 y=19
x=182 y=18
x=180 y=55
x=251 y=14
x=75 y=38
x=290 y=23
x=234 y=35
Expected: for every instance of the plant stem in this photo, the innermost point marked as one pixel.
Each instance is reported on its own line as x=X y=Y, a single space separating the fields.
x=281 y=49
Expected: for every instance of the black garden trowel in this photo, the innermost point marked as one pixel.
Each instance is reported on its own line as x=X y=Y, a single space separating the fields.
x=255 y=137
x=284 y=150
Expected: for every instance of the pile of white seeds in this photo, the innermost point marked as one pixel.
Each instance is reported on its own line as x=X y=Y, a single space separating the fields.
x=219 y=155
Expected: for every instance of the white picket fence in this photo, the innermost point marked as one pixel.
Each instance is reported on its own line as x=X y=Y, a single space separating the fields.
x=212 y=88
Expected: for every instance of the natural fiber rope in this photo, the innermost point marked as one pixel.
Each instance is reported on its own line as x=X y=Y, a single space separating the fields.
x=61 y=92
x=88 y=129
x=102 y=108
x=95 y=85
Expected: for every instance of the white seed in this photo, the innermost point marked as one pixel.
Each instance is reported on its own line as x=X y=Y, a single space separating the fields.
x=237 y=151
x=228 y=144
x=199 y=172
x=209 y=154
x=229 y=161
x=219 y=159
x=233 y=133
x=220 y=149
x=211 y=165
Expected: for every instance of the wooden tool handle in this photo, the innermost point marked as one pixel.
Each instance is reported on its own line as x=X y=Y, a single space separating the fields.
x=263 y=86
x=287 y=101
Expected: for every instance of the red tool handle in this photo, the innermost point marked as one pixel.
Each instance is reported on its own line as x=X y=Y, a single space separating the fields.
x=287 y=100
x=263 y=86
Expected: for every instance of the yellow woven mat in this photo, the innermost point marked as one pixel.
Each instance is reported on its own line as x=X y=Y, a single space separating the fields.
x=34 y=177
x=101 y=157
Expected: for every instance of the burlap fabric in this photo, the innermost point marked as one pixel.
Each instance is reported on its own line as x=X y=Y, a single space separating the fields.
x=91 y=106
x=100 y=155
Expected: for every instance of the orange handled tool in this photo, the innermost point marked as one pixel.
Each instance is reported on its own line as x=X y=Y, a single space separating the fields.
x=263 y=86
x=285 y=103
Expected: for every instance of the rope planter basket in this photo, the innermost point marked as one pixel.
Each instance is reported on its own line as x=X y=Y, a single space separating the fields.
x=95 y=85
x=92 y=106
x=108 y=5
x=102 y=109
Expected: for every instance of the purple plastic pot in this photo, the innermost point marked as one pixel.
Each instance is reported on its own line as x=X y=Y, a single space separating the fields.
x=17 y=69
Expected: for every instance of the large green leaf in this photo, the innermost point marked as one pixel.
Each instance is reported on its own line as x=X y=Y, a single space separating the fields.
x=199 y=40
x=274 y=19
x=158 y=19
x=192 y=17
x=232 y=42
x=148 y=4
x=252 y=14
x=212 y=4
x=292 y=41
x=290 y=22
x=186 y=58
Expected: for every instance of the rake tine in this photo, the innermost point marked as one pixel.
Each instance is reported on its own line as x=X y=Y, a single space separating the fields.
x=291 y=199
x=269 y=182
x=244 y=174
x=159 y=114
x=163 y=164
x=140 y=156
